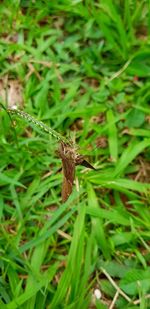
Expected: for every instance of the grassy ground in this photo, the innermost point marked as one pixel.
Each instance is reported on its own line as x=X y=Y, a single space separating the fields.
x=83 y=68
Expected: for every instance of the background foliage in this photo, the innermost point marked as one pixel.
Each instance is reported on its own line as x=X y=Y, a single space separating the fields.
x=83 y=68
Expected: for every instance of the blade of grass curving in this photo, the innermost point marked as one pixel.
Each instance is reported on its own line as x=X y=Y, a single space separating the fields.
x=139 y=132
x=39 y=239
x=43 y=281
x=112 y=215
x=120 y=184
x=130 y=154
x=4 y=179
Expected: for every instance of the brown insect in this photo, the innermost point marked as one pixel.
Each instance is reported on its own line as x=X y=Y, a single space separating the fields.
x=70 y=159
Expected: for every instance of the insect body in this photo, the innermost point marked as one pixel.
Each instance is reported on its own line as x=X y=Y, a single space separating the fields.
x=70 y=159
x=67 y=155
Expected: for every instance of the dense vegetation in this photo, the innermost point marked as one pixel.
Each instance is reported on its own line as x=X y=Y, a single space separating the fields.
x=83 y=68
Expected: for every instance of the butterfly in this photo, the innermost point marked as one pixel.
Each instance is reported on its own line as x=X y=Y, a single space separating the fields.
x=70 y=158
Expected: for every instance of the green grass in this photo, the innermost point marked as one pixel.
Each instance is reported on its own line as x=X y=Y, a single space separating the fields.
x=84 y=67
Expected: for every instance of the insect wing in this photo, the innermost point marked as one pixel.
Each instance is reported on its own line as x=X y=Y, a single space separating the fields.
x=68 y=178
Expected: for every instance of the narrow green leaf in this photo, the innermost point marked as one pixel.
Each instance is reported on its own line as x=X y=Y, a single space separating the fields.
x=4 y=179
x=43 y=281
x=129 y=154
x=71 y=274
x=112 y=136
x=97 y=223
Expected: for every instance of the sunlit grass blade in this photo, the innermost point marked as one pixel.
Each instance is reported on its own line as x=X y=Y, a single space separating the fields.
x=120 y=183
x=97 y=224
x=71 y=275
x=114 y=216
